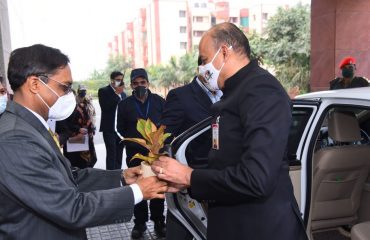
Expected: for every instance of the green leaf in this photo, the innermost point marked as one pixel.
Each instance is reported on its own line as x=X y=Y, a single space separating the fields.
x=147 y=159
x=140 y=126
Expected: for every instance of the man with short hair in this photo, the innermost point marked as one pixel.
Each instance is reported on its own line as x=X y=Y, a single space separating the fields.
x=40 y=196
x=247 y=183
x=145 y=105
x=348 y=79
x=109 y=97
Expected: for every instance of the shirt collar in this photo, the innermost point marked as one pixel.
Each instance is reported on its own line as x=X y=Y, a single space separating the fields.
x=42 y=120
x=215 y=97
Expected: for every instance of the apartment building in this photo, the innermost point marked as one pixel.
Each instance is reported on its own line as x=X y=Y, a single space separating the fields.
x=166 y=28
x=201 y=20
x=259 y=14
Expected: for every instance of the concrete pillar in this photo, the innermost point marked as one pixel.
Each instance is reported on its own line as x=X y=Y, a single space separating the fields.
x=5 y=46
x=338 y=28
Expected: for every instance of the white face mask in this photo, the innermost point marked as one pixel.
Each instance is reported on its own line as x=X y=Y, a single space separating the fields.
x=3 y=101
x=63 y=107
x=211 y=74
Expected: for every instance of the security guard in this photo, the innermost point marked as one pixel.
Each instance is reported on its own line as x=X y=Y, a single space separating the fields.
x=349 y=80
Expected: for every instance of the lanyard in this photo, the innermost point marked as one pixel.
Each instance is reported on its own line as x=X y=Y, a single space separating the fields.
x=138 y=110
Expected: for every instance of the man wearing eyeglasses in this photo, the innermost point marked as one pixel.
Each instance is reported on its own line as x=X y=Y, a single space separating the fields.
x=142 y=104
x=40 y=196
x=348 y=79
x=109 y=97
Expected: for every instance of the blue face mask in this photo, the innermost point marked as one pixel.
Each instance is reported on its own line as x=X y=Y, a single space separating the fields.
x=3 y=101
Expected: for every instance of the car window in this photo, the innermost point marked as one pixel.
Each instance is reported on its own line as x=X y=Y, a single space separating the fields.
x=197 y=151
x=363 y=117
x=300 y=117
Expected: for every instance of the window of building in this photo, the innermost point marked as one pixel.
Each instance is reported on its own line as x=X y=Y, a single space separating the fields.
x=182 y=13
x=233 y=19
x=183 y=45
x=196 y=5
x=198 y=19
x=244 y=21
x=254 y=17
x=203 y=5
x=198 y=33
x=182 y=29
x=265 y=16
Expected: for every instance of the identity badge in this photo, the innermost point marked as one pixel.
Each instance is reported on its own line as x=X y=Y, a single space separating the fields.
x=215 y=135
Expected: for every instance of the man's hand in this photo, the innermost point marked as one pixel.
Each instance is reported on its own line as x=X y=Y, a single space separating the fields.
x=152 y=187
x=174 y=188
x=171 y=170
x=130 y=175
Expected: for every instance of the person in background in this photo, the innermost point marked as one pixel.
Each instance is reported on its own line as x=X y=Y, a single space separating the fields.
x=348 y=79
x=109 y=97
x=246 y=184
x=184 y=107
x=79 y=128
x=141 y=104
x=3 y=96
x=40 y=196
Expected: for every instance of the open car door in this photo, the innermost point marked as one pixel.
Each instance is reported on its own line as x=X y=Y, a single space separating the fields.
x=193 y=214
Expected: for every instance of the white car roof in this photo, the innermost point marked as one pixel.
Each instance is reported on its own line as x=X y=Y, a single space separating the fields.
x=361 y=93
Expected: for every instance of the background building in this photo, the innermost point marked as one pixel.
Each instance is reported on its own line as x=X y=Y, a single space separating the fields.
x=166 y=28
x=5 y=46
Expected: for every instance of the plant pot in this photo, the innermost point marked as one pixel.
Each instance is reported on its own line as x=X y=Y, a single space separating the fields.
x=147 y=170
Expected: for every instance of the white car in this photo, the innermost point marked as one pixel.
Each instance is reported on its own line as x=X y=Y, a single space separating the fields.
x=329 y=151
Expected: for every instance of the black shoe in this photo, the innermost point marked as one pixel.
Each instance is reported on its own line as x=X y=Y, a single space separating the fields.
x=138 y=230
x=160 y=228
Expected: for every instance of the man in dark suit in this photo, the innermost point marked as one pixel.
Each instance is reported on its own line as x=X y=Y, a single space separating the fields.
x=247 y=183
x=109 y=97
x=40 y=196
x=184 y=107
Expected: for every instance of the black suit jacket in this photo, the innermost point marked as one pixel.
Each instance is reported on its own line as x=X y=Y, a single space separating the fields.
x=247 y=184
x=108 y=101
x=184 y=107
x=40 y=197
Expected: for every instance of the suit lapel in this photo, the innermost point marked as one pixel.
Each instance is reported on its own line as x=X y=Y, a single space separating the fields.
x=35 y=123
x=200 y=96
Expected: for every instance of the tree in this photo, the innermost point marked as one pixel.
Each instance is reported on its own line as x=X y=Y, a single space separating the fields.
x=187 y=66
x=99 y=78
x=118 y=63
x=286 y=46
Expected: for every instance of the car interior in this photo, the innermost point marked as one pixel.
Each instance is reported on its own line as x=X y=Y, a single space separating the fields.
x=340 y=187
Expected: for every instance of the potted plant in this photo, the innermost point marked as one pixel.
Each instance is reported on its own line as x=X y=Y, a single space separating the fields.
x=153 y=140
